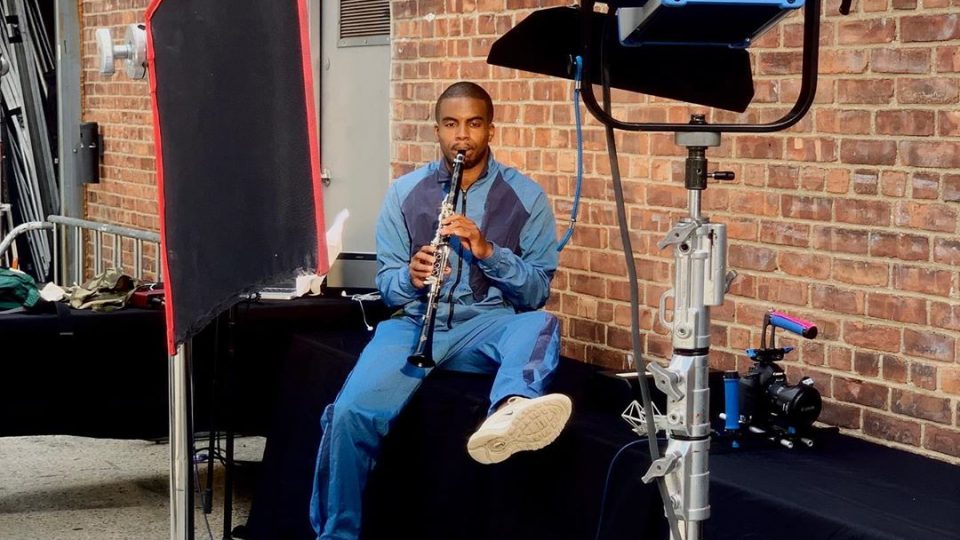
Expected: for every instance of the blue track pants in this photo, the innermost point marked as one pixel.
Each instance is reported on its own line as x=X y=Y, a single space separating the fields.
x=522 y=349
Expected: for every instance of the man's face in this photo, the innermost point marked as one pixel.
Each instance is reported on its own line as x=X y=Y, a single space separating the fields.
x=463 y=125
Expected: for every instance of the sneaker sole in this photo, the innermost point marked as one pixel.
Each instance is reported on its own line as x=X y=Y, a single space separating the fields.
x=535 y=426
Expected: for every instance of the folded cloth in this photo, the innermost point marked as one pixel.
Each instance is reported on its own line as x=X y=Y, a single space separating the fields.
x=107 y=291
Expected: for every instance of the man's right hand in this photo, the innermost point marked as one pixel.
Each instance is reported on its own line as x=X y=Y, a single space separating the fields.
x=421 y=266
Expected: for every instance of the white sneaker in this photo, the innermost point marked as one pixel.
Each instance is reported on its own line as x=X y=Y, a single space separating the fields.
x=519 y=424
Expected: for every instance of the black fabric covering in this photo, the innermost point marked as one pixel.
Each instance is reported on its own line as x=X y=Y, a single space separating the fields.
x=547 y=40
x=426 y=487
x=105 y=374
x=84 y=373
x=237 y=178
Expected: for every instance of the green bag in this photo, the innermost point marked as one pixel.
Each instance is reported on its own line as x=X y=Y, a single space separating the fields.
x=17 y=290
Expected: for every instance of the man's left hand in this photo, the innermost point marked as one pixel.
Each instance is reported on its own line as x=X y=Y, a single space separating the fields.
x=469 y=234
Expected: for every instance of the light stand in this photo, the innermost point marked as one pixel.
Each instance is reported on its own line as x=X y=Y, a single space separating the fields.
x=700 y=281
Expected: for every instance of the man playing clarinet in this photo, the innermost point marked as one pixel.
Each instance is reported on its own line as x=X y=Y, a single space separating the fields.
x=502 y=254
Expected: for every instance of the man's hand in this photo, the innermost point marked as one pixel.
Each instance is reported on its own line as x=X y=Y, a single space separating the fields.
x=469 y=234
x=421 y=266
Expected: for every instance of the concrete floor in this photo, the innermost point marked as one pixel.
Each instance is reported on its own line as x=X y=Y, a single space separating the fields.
x=74 y=488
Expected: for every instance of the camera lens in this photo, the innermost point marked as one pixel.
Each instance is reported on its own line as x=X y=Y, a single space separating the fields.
x=797 y=405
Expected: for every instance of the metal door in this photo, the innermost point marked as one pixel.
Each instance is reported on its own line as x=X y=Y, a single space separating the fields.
x=353 y=62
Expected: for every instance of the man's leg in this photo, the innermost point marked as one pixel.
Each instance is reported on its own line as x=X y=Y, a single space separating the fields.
x=524 y=351
x=354 y=426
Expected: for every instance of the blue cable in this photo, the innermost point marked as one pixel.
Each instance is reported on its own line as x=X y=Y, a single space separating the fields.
x=578 y=61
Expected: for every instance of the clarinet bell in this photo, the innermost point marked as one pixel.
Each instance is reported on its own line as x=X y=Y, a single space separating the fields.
x=421 y=360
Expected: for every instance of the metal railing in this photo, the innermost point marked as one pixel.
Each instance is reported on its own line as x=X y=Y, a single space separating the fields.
x=75 y=233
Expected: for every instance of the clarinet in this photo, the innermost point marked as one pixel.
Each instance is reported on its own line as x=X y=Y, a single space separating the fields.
x=422 y=357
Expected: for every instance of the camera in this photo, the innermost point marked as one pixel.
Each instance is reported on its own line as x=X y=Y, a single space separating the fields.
x=763 y=402
x=767 y=398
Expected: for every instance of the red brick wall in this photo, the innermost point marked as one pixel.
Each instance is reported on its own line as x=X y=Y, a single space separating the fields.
x=127 y=192
x=848 y=219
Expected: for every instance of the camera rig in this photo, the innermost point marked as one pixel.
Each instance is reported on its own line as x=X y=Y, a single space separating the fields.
x=762 y=402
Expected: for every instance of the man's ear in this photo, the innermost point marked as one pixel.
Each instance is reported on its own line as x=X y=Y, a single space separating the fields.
x=490 y=133
x=436 y=131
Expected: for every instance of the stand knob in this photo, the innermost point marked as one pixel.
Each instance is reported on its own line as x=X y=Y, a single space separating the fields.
x=722 y=175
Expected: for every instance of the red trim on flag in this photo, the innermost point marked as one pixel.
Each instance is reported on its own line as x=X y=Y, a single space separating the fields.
x=322 y=263
x=158 y=148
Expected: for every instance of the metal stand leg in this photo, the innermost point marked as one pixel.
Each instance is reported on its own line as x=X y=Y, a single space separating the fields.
x=181 y=446
x=700 y=281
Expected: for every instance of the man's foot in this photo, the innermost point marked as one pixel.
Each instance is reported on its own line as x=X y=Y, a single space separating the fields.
x=519 y=424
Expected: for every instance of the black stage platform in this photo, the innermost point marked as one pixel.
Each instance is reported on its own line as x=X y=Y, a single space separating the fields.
x=426 y=487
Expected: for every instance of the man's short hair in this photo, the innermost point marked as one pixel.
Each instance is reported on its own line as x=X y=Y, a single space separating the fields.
x=465 y=89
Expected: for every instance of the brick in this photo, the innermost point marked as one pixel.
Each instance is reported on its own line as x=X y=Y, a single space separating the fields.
x=870 y=336
x=861 y=272
x=866 y=363
x=923 y=376
x=866 y=152
x=891 y=428
x=865 y=182
x=930 y=345
x=938 y=155
x=860 y=392
x=836 y=299
x=755 y=203
x=849 y=122
x=814 y=208
x=759 y=147
x=945 y=315
x=834 y=61
x=840 y=359
x=865 y=91
x=785 y=233
x=811 y=149
x=946 y=251
x=925 y=186
x=805 y=265
x=840 y=240
x=922 y=280
x=866 y=31
x=942 y=27
x=863 y=212
x=893 y=183
x=781 y=62
x=782 y=291
x=893 y=368
x=926 y=216
x=949 y=122
x=948 y=59
x=587 y=330
x=908 y=247
x=944 y=441
x=899 y=60
x=908 y=122
x=840 y=414
x=950 y=380
x=751 y=257
x=589 y=285
x=922 y=406
x=897 y=308
x=928 y=91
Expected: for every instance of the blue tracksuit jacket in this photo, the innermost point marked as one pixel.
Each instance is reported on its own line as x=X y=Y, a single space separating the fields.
x=511 y=211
